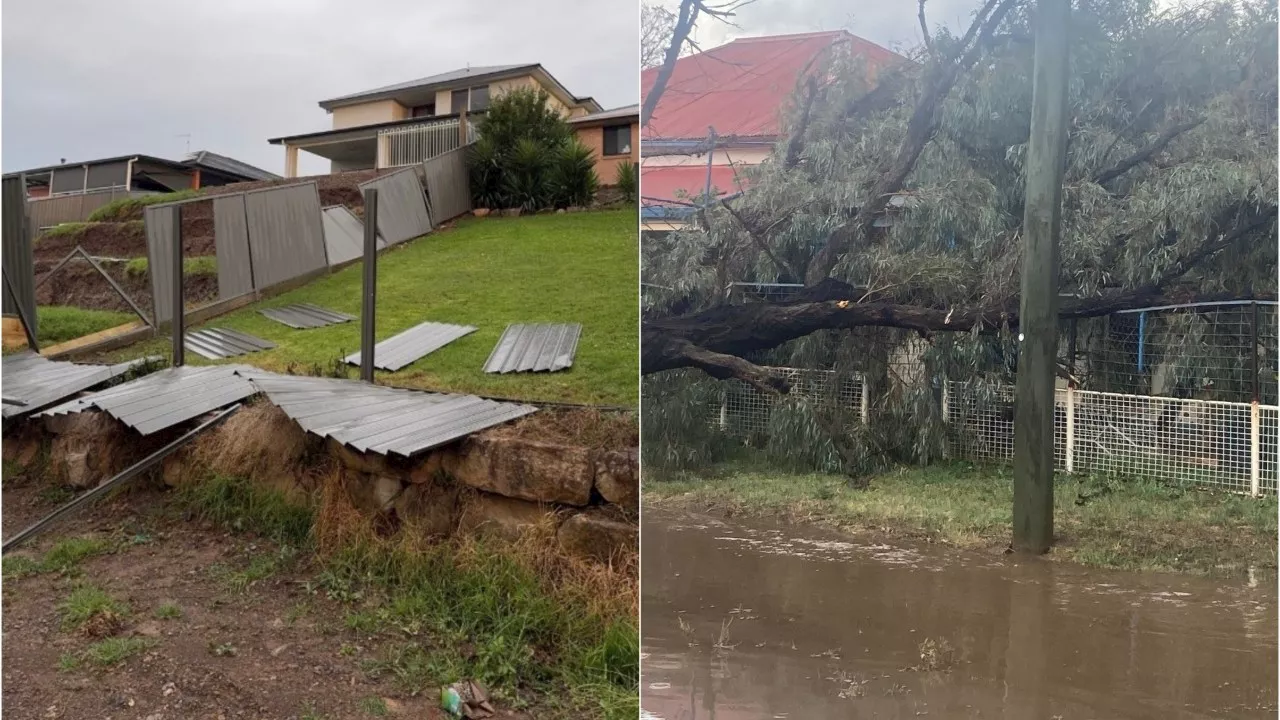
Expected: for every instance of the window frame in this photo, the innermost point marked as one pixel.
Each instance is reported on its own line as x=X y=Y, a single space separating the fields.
x=606 y=131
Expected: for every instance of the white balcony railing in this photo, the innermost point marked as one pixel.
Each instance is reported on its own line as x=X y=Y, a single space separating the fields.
x=413 y=144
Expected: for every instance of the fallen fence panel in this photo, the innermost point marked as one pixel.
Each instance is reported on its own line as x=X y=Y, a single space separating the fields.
x=286 y=234
x=448 y=185
x=417 y=342
x=231 y=243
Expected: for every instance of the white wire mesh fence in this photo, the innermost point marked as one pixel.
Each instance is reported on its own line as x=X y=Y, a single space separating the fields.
x=1226 y=445
x=1220 y=444
x=746 y=412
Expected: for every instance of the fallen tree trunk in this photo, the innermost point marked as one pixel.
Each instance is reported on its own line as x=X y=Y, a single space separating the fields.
x=735 y=330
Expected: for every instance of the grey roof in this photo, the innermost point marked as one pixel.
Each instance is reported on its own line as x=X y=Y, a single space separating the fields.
x=419 y=341
x=38 y=382
x=445 y=78
x=536 y=348
x=165 y=398
x=305 y=315
x=382 y=420
x=614 y=114
x=220 y=343
x=231 y=166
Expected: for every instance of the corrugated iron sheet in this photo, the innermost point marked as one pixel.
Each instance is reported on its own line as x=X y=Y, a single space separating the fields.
x=159 y=227
x=166 y=398
x=286 y=234
x=534 y=348
x=16 y=257
x=306 y=315
x=231 y=244
x=220 y=343
x=419 y=341
x=344 y=235
x=38 y=382
x=402 y=206
x=382 y=420
x=448 y=185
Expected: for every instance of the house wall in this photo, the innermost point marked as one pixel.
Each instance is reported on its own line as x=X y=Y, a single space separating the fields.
x=498 y=88
x=369 y=113
x=340 y=166
x=607 y=165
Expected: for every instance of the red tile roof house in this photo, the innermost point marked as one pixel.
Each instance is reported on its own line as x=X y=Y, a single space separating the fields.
x=740 y=90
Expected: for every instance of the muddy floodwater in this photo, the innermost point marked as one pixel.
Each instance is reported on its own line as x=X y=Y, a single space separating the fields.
x=752 y=620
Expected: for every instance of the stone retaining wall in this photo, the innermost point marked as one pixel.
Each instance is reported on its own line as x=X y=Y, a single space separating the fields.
x=488 y=483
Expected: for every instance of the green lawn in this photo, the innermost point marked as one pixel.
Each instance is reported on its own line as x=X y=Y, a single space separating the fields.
x=1103 y=522
x=572 y=267
x=59 y=323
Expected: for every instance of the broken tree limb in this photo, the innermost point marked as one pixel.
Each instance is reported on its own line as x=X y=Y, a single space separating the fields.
x=1145 y=153
x=739 y=329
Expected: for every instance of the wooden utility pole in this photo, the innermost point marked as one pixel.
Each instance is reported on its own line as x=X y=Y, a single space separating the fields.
x=1038 y=330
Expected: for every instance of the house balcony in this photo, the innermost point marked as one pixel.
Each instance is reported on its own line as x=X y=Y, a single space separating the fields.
x=384 y=145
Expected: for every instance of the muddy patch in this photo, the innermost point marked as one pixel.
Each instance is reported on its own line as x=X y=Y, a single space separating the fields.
x=833 y=626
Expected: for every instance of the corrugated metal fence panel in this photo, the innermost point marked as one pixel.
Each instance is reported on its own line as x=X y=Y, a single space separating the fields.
x=286 y=234
x=166 y=397
x=231 y=242
x=16 y=255
x=402 y=207
x=344 y=235
x=448 y=185
x=159 y=225
x=382 y=420
x=40 y=382
x=417 y=342
x=534 y=348
x=47 y=212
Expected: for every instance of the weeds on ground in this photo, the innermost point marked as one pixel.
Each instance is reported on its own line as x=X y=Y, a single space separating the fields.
x=116 y=650
x=191 y=266
x=520 y=619
x=259 y=568
x=68 y=662
x=63 y=557
x=374 y=707
x=91 y=610
x=168 y=611
x=309 y=712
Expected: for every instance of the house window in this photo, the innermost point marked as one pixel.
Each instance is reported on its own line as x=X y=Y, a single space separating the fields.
x=423 y=110
x=479 y=100
x=458 y=101
x=617 y=140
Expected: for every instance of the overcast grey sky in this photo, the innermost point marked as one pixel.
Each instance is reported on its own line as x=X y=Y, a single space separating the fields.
x=86 y=79
x=891 y=23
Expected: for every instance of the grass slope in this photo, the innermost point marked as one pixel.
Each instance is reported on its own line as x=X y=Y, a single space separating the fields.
x=59 y=323
x=1128 y=524
x=572 y=267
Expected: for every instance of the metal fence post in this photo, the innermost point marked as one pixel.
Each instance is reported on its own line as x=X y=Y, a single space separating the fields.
x=1071 y=428
x=1254 y=351
x=370 y=294
x=1255 y=449
x=864 y=403
x=178 y=321
x=946 y=418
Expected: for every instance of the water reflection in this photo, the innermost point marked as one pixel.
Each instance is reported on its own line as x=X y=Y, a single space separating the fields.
x=757 y=621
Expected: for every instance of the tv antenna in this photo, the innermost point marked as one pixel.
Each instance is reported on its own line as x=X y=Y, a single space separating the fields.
x=188 y=138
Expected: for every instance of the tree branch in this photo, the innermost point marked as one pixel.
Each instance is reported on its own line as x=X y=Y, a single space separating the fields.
x=924 y=28
x=740 y=329
x=724 y=367
x=684 y=25
x=759 y=241
x=1146 y=153
x=796 y=145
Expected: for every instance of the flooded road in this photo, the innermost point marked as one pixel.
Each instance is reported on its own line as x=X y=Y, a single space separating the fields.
x=751 y=620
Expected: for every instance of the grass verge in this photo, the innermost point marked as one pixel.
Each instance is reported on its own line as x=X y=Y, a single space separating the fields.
x=199 y=265
x=59 y=323
x=488 y=273
x=1100 y=522
x=130 y=208
x=522 y=619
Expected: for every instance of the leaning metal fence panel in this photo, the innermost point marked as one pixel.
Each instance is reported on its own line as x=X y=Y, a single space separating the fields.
x=402 y=206
x=448 y=185
x=159 y=226
x=286 y=234
x=231 y=242
x=17 y=258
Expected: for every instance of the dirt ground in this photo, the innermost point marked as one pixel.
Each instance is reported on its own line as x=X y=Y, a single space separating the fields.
x=273 y=650
x=79 y=285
